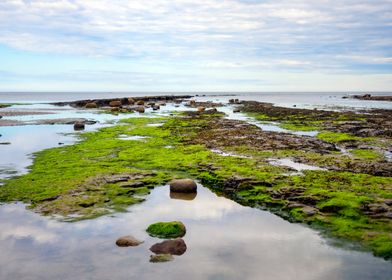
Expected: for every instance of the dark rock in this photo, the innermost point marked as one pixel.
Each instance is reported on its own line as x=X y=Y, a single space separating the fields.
x=127 y=241
x=173 y=247
x=79 y=126
x=132 y=185
x=183 y=186
x=140 y=109
x=5 y=143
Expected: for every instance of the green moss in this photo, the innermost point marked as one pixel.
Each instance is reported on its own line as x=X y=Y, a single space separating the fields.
x=335 y=137
x=366 y=154
x=167 y=229
x=301 y=127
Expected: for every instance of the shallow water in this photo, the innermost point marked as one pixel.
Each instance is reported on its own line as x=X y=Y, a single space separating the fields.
x=294 y=165
x=224 y=239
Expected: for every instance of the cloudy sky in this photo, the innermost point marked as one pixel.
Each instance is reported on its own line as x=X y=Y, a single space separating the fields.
x=203 y=45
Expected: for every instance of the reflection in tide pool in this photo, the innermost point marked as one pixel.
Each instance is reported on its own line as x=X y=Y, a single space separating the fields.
x=224 y=240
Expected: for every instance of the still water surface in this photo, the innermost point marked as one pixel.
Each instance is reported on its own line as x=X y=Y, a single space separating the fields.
x=224 y=239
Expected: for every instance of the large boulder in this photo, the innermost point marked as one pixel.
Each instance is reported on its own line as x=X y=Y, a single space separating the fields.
x=91 y=105
x=127 y=241
x=115 y=103
x=183 y=186
x=173 y=247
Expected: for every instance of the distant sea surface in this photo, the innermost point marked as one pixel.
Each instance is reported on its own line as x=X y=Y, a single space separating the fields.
x=288 y=99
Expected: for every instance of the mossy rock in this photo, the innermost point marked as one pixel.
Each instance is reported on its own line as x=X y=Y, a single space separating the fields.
x=167 y=229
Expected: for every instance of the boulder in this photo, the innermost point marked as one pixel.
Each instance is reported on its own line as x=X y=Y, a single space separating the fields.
x=91 y=105
x=127 y=241
x=79 y=126
x=183 y=186
x=115 y=103
x=140 y=109
x=140 y=102
x=174 y=247
x=156 y=107
x=131 y=101
x=201 y=109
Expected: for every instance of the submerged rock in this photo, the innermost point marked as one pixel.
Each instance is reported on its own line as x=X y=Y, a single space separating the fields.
x=173 y=247
x=161 y=258
x=167 y=229
x=127 y=241
x=183 y=186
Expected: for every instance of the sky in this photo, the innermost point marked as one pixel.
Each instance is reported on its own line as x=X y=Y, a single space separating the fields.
x=204 y=45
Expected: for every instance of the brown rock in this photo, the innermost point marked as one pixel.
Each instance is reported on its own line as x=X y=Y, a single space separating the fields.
x=183 y=186
x=91 y=105
x=79 y=126
x=173 y=247
x=140 y=102
x=140 y=109
x=131 y=101
x=201 y=109
x=115 y=103
x=127 y=241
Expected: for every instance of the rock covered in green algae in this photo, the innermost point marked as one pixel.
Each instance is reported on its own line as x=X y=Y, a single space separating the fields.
x=161 y=258
x=183 y=186
x=167 y=229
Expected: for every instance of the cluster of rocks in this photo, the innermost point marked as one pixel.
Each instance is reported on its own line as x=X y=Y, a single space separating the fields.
x=165 y=250
x=369 y=97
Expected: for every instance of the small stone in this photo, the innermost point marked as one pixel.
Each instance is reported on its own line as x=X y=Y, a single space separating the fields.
x=127 y=241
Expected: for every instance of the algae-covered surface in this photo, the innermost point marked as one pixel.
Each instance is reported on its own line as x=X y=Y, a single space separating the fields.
x=349 y=199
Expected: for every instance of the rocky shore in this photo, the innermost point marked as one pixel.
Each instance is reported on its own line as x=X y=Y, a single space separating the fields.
x=347 y=193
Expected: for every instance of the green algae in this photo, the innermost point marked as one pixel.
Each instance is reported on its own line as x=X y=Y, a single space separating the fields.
x=366 y=154
x=76 y=181
x=336 y=137
x=167 y=229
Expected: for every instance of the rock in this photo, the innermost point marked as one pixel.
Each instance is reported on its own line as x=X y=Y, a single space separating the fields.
x=183 y=186
x=201 y=109
x=156 y=107
x=5 y=143
x=79 y=126
x=91 y=105
x=115 y=103
x=131 y=101
x=115 y=109
x=231 y=101
x=127 y=241
x=309 y=211
x=174 y=247
x=161 y=258
x=167 y=229
x=140 y=109
x=132 y=185
x=236 y=110
x=140 y=102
